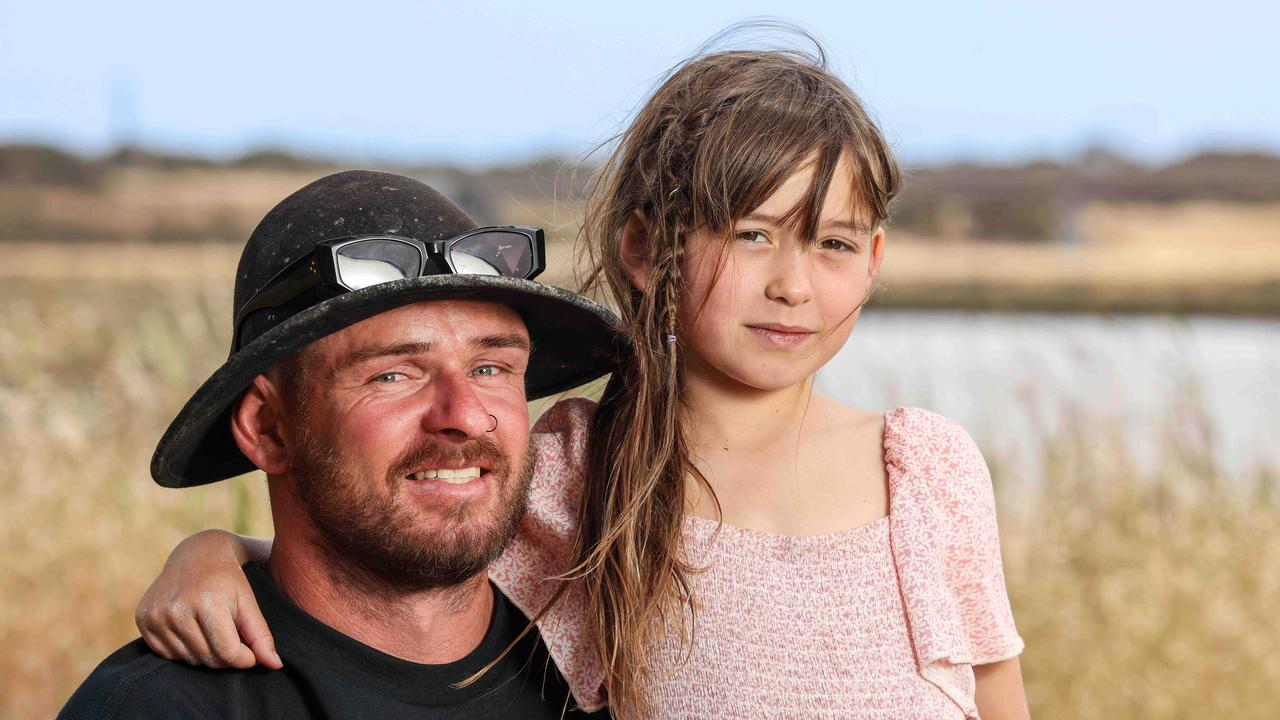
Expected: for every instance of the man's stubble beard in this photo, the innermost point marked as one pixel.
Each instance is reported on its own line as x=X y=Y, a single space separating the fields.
x=380 y=546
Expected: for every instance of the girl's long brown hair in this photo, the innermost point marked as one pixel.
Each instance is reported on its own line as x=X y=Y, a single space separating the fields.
x=717 y=138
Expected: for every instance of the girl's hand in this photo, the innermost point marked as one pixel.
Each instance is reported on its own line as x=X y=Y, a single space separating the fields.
x=201 y=609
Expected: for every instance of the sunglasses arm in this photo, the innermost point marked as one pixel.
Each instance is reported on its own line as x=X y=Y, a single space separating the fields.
x=291 y=282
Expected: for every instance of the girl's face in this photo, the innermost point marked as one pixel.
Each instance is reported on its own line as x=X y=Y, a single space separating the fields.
x=770 y=309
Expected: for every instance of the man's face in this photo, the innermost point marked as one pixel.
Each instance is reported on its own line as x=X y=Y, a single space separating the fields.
x=395 y=457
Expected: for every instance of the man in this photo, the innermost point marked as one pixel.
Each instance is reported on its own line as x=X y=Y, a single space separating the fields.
x=383 y=392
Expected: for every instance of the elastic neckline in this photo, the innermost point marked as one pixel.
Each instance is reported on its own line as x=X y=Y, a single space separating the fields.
x=888 y=437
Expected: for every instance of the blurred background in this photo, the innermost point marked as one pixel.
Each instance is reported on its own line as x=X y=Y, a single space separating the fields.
x=1083 y=269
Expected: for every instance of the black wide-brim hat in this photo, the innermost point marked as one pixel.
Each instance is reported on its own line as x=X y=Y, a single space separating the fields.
x=573 y=338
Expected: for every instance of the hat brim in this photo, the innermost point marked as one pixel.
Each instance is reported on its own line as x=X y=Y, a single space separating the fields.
x=573 y=340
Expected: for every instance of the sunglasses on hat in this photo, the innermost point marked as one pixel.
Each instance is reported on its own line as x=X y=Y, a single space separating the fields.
x=345 y=264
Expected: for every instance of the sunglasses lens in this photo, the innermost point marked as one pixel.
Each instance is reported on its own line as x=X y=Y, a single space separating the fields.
x=497 y=252
x=377 y=260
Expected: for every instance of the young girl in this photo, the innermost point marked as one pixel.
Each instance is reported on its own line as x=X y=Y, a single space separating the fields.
x=736 y=545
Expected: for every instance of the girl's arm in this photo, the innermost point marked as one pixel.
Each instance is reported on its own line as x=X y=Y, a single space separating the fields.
x=974 y=571
x=999 y=693
x=201 y=609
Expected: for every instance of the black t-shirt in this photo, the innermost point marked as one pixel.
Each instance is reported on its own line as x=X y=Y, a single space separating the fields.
x=329 y=675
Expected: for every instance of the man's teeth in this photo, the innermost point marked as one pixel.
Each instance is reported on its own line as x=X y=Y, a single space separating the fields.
x=456 y=477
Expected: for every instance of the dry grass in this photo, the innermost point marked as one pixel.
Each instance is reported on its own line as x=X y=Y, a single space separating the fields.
x=1193 y=257
x=1145 y=597
x=91 y=373
x=196 y=263
x=1138 y=596
x=1204 y=225
x=1215 y=257
x=1141 y=263
x=1131 y=258
x=185 y=205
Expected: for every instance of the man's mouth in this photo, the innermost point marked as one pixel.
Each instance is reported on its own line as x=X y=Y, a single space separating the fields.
x=453 y=476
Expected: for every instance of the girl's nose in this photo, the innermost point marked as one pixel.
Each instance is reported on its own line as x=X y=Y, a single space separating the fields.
x=789 y=283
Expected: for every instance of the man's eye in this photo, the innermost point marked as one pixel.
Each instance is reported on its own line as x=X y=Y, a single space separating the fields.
x=751 y=237
x=388 y=377
x=485 y=371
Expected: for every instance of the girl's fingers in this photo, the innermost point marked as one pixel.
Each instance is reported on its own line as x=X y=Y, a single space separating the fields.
x=255 y=633
x=174 y=648
x=192 y=637
x=160 y=646
x=169 y=629
x=220 y=633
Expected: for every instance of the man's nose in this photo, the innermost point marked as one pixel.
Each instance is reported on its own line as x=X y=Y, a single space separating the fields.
x=453 y=408
x=789 y=281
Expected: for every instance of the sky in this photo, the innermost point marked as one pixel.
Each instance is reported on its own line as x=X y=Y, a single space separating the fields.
x=487 y=83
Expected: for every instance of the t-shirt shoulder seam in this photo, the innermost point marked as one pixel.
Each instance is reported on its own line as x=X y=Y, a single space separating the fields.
x=125 y=688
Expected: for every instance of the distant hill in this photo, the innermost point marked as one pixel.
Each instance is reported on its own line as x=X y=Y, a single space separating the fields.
x=1035 y=201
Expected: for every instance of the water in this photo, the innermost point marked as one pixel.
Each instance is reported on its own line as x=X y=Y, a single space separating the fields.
x=1014 y=378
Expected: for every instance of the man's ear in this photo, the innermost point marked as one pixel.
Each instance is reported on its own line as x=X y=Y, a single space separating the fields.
x=255 y=425
x=635 y=250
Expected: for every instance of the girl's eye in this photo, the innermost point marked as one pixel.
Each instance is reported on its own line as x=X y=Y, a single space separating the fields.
x=838 y=245
x=751 y=237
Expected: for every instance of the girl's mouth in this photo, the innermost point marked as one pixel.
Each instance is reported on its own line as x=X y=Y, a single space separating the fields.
x=780 y=335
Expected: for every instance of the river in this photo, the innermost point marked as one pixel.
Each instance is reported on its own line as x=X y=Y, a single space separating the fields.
x=1014 y=379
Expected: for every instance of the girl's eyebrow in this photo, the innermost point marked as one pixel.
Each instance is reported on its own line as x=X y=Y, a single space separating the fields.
x=843 y=223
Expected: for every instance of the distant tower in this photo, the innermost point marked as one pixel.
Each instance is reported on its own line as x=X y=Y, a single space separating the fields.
x=122 y=116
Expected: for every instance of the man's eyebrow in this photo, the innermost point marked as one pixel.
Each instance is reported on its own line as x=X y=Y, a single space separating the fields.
x=495 y=342
x=373 y=352
x=852 y=225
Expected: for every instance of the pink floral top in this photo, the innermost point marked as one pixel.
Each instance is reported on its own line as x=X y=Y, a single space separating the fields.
x=884 y=620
